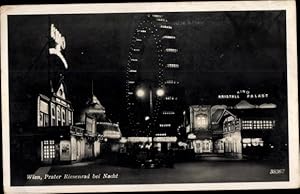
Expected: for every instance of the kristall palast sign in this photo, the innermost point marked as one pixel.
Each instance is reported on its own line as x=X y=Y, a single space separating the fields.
x=243 y=94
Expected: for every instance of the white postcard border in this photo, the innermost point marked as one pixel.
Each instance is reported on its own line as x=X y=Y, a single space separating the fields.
x=290 y=8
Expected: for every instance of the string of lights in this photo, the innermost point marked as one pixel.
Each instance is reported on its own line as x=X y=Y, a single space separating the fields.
x=157 y=27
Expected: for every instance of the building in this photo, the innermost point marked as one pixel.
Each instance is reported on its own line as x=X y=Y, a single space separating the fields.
x=53 y=137
x=56 y=138
x=226 y=130
x=61 y=140
x=243 y=130
x=199 y=128
x=55 y=110
x=108 y=132
x=259 y=125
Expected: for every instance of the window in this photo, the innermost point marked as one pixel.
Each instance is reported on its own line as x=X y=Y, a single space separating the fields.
x=247 y=124
x=53 y=121
x=268 y=124
x=41 y=119
x=44 y=120
x=48 y=149
x=255 y=142
x=58 y=113
x=43 y=113
x=258 y=124
x=58 y=116
x=53 y=115
x=63 y=120
x=70 y=118
x=201 y=121
x=53 y=112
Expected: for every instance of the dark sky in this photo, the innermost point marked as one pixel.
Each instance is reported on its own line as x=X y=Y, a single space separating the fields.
x=219 y=52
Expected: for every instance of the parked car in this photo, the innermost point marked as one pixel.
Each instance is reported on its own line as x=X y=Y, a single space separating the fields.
x=148 y=163
x=145 y=159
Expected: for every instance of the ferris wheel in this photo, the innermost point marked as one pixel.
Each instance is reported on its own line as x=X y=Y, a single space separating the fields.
x=154 y=28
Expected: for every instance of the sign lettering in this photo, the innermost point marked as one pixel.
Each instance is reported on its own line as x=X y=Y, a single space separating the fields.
x=246 y=94
x=60 y=44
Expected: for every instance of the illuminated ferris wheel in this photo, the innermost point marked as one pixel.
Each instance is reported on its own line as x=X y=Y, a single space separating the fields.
x=152 y=28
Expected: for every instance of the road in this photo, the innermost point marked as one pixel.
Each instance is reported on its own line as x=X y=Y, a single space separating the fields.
x=186 y=172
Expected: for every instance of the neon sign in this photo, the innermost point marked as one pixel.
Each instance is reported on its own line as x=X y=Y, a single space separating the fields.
x=139 y=139
x=60 y=44
x=165 y=139
x=246 y=93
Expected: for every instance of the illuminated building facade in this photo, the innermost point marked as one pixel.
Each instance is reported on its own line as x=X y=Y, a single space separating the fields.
x=241 y=130
x=226 y=132
x=56 y=110
x=61 y=140
x=51 y=136
x=199 y=129
x=108 y=132
x=257 y=128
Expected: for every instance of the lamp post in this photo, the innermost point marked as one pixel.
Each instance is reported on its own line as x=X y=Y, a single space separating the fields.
x=141 y=93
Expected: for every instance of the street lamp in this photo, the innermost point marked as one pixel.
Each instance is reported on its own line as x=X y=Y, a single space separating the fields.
x=141 y=93
x=160 y=92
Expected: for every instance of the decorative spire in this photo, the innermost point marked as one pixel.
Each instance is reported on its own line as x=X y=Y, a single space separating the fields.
x=61 y=77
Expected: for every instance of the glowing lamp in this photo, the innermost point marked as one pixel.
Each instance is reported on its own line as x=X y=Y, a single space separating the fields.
x=160 y=92
x=140 y=93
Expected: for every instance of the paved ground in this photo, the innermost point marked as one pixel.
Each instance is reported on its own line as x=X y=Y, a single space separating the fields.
x=188 y=172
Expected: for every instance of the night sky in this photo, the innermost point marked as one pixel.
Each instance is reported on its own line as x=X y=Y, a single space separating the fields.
x=219 y=52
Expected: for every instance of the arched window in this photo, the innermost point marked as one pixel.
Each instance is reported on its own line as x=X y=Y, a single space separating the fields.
x=63 y=120
x=53 y=111
x=41 y=119
x=70 y=117
x=60 y=92
x=58 y=116
x=201 y=121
